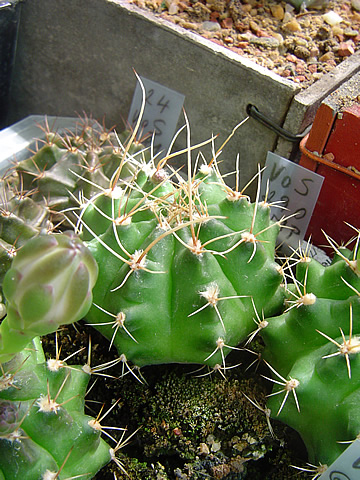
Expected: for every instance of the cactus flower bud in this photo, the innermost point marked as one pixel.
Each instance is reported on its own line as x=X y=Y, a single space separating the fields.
x=49 y=284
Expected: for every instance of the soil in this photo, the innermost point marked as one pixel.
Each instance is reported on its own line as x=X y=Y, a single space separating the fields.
x=299 y=45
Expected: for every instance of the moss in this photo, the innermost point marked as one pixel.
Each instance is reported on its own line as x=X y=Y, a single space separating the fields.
x=190 y=427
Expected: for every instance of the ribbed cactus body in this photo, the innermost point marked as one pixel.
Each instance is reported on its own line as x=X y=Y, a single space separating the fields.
x=40 y=194
x=179 y=264
x=35 y=439
x=71 y=165
x=317 y=343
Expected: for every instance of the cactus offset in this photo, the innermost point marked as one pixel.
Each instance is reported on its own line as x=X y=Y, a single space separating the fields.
x=313 y=351
x=43 y=427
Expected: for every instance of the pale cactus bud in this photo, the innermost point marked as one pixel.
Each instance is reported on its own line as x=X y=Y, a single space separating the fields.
x=49 y=284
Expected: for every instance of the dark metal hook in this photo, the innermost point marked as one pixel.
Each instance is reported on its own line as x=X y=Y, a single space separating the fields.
x=253 y=112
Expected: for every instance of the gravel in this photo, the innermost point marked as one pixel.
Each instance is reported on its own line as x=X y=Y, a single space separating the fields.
x=299 y=45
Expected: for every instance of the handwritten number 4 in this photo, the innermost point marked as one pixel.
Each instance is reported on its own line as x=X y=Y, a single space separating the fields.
x=163 y=104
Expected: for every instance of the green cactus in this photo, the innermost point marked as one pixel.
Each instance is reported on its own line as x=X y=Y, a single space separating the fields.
x=49 y=284
x=62 y=174
x=44 y=432
x=181 y=264
x=313 y=348
x=21 y=218
x=74 y=166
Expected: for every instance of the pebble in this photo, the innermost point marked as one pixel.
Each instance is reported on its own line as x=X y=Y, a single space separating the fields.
x=267 y=42
x=332 y=18
x=210 y=26
x=227 y=22
x=349 y=32
x=292 y=26
x=355 y=5
x=302 y=52
x=327 y=56
x=346 y=49
x=254 y=26
x=173 y=8
x=337 y=31
x=277 y=11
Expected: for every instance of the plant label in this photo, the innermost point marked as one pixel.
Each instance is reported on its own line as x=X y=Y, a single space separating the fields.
x=346 y=466
x=162 y=110
x=292 y=191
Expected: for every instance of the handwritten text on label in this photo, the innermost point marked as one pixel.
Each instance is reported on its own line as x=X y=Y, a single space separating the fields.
x=292 y=190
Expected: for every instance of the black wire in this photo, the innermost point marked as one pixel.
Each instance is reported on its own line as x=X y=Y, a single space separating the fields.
x=253 y=112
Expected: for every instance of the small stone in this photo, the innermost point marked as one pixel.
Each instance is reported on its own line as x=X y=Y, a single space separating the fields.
x=286 y=73
x=327 y=57
x=227 y=22
x=246 y=8
x=173 y=8
x=254 y=26
x=311 y=60
x=312 y=68
x=277 y=11
x=349 y=32
x=301 y=41
x=279 y=37
x=291 y=58
x=346 y=49
x=210 y=26
x=337 y=31
x=300 y=79
x=203 y=449
x=267 y=42
x=305 y=22
x=302 y=52
x=292 y=26
x=215 y=447
x=214 y=16
x=287 y=17
x=330 y=157
x=314 y=51
x=228 y=39
x=355 y=5
x=300 y=68
x=332 y=18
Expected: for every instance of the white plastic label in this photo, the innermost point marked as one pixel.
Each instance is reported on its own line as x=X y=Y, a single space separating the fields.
x=293 y=188
x=162 y=109
x=346 y=466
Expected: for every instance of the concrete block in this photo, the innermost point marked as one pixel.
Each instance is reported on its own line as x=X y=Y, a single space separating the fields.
x=79 y=56
x=9 y=17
